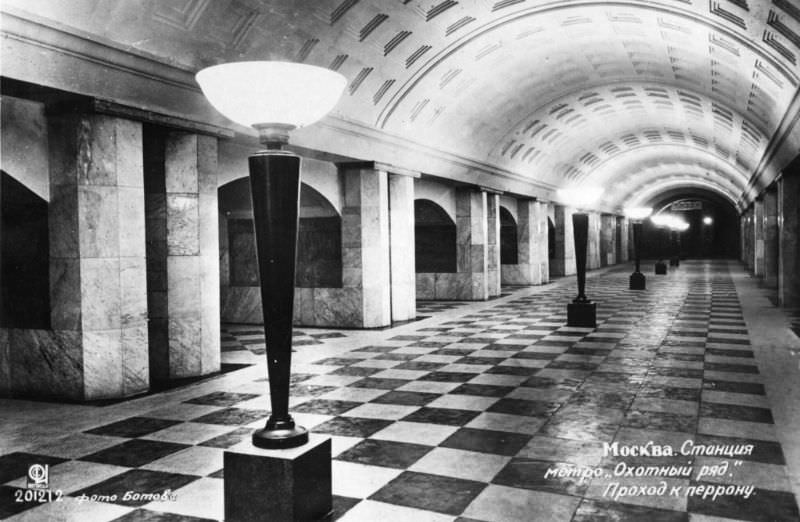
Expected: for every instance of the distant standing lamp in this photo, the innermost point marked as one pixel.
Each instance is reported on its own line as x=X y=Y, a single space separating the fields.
x=274 y=98
x=636 y=215
x=581 y=311
x=678 y=226
x=662 y=221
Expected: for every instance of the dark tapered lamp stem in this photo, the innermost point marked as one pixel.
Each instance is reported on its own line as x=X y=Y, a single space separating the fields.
x=580 y=228
x=637 y=245
x=275 y=189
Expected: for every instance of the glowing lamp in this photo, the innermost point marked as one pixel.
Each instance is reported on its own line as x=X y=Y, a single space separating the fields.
x=274 y=98
x=579 y=196
x=707 y=220
x=638 y=213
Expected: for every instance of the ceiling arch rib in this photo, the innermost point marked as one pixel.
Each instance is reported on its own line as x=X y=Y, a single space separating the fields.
x=646 y=194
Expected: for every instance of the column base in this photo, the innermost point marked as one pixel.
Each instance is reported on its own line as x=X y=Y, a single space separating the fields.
x=638 y=281
x=674 y=261
x=280 y=438
x=661 y=268
x=279 y=485
x=582 y=314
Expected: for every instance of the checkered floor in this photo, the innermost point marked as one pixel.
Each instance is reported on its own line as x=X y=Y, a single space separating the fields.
x=461 y=419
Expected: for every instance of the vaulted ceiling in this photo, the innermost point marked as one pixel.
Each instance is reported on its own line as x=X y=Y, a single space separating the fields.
x=635 y=96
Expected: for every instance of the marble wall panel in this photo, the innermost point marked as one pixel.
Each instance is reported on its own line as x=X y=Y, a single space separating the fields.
x=97 y=151
x=46 y=363
x=352 y=277
x=100 y=294
x=224 y=252
x=183 y=222
x=771 y=244
x=183 y=282
x=132 y=226
x=789 y=262
x=425 y=286
x=518 y=274
x=210 y=313
x=62 y=137
x=5 y=362
x=338 y=307
x=102 y=364
x=62 y=221
x=185 y=338
x=129 y=160
x=65 y=293
x=99 y=216
x=207 y=164
x=758 y=263
x=133 y=291
x=241 y=304
x=135 y=359
x=180 y=166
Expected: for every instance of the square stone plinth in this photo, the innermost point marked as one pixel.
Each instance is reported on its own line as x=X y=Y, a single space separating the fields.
x=582 y=314
x=279 y=485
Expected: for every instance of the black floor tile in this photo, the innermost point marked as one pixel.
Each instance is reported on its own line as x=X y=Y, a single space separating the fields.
x=356 y=371
x=10 y=503
x=727 y=367
x=232 y=416
x=528 y=473
x=524 y=407
x=669 y=392
x=406 y=398
x=222 y=398
x=351 y=426
x=735 y=412
x=448 y=376
x=652 y=420
x=342 y=505
x=606 y=511
x=446 y=416
x=325 y=406
x=431 y=492
x=762 y=506
x=146 y=515
x=228 y=439
x=134 y=453
x=483 y=390
x=603 y=398
x=15 y=465
x=134 y=427
x=139 y=481
x=389 y=454
x=378 y=384
x=485 y=441
x=763 y=451
x=752 y=388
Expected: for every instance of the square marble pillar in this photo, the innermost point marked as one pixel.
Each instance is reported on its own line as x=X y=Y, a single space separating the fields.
x=622 y=240
x=533 y=266
x=758 y=251
x=608 y=238
x=190 y=256
x=366 y=262
x=564 y=259
x=492 y=244
x=471 y=241
x=789 y=237
x=593 y=249
x=401 y=243
x=97 y=261
x=771 y=245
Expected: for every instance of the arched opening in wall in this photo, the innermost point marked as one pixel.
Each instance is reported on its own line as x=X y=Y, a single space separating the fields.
x=551 y=247
x=434 y=238
x=509 y=252
x=319 y=239
x=24 y=257
x=713 y=227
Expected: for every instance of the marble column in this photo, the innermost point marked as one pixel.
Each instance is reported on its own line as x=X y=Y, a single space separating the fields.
x=471 y=236
x=533 y=265
x=758 y=254
x=622 y=237
x=183 y=219
x=608 y=238
x=97 y=345
x=771 y=237
x=493 y=244
x=593 y=248
x=366 y=262
x=564 y=259
x=401 y=244
x=789 y=237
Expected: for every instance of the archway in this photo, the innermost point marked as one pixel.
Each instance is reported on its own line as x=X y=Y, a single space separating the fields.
x=434 y=238
x=509 y=253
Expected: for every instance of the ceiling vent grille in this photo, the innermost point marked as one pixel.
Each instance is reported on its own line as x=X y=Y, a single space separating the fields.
x=341 y=10
x=438 y=9
x=373 y=24
x=359 y=79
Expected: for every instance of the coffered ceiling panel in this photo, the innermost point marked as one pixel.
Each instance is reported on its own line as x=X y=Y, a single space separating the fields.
x=626 y=94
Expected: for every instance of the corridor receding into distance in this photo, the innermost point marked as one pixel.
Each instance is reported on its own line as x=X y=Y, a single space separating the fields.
x=400 y=260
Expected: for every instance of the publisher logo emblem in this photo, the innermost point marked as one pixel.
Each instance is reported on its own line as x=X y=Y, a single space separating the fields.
x=38 y=476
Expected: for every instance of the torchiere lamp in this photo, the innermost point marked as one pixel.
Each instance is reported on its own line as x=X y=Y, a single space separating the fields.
x=581 y=311
x=662 y=221
x=636 y=215
x=678 y=227
x=274 y=98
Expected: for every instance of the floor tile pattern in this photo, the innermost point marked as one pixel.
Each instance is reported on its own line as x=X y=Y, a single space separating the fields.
x=462 y=421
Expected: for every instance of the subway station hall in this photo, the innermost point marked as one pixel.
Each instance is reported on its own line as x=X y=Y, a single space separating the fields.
x=400 y=260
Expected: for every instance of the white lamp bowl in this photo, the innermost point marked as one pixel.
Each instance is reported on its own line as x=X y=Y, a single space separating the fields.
x=662 y=220
x=271 y=93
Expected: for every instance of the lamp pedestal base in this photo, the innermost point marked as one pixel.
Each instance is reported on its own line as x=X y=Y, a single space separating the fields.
x=661 y=268
x=280 y=438
x=674 y=261
x=637 y=281
x=582 y=313
x=279 y=485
